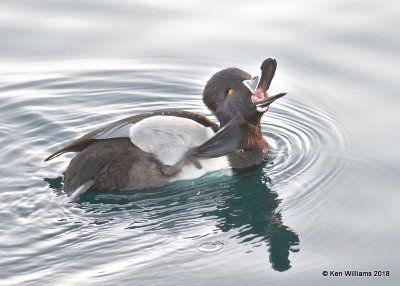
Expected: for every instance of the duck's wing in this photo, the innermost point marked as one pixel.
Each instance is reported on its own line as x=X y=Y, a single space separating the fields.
x=121 y=128
x=225 y=141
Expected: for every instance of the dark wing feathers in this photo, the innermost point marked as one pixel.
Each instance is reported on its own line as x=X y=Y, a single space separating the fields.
x=84 y=141
x=225 y=141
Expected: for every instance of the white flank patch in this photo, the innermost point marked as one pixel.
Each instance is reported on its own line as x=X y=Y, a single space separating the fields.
x=190 y=172
x=168 y=138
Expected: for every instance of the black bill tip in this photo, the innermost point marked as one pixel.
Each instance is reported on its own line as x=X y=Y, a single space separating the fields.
x=262 y=106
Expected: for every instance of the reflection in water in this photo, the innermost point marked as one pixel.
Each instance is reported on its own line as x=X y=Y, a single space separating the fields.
x=252 y=210
x=242 y=204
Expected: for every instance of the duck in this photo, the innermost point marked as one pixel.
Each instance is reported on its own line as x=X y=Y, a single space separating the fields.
x=158 y=147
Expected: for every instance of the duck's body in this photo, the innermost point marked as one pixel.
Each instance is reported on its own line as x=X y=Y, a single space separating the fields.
x=132 y=156
x=155 y=148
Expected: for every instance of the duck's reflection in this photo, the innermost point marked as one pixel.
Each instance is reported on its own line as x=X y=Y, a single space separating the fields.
x=245 y=204
x=253 y=211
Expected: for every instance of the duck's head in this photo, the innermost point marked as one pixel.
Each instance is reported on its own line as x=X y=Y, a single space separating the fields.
x=232 y=91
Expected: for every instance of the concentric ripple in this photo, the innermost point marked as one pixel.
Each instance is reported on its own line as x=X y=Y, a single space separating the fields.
x=210 y=246
x=304 y=139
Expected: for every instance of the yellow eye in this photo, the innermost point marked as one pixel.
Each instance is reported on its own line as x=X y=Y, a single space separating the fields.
x=230 y=91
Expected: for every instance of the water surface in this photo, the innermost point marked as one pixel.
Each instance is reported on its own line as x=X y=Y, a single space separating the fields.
x=325 y=200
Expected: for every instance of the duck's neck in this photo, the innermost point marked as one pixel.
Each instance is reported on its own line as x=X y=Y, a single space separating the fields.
x=252 y=149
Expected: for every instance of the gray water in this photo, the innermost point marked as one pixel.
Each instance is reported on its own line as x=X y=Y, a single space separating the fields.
x=326 y=200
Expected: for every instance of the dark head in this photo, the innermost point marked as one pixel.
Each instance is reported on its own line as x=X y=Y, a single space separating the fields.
x=232 y=91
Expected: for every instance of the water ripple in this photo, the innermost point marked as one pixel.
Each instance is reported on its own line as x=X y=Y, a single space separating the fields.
x=210 y=246
x=304 y=139
x=205 y=215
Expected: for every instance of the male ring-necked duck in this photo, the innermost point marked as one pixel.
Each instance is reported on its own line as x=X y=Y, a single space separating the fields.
x=158 y=147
